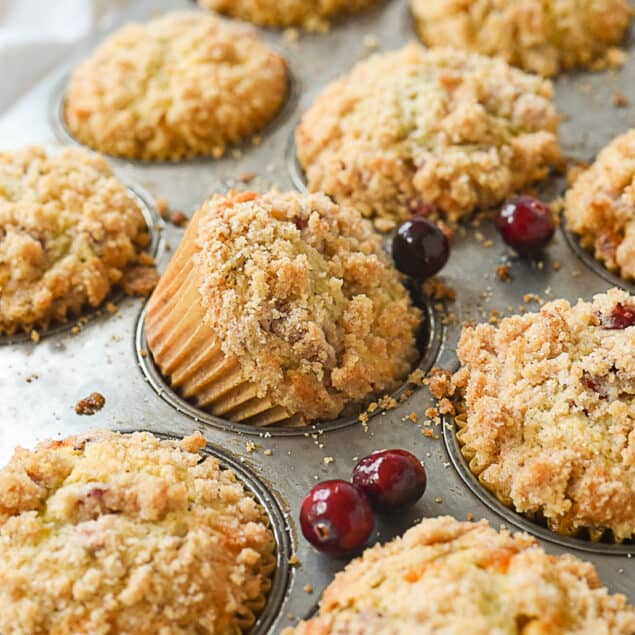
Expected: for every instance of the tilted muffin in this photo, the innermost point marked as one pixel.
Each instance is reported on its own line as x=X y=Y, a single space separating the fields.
x=445 y=576
x=428 y=131
x=308 y=14
x=600 y=206
x=124 y=533
x=281 y=308
x=550 y=412
x=540 y=36
x=69 y=231
x=182 y=85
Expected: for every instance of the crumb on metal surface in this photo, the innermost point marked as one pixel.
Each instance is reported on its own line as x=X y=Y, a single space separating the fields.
x=91 y=404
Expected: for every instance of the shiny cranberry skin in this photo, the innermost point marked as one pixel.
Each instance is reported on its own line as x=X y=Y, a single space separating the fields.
x=390 y=478
x=420 y=249
x=620 y=318
x=526 y=224
x=336 y=518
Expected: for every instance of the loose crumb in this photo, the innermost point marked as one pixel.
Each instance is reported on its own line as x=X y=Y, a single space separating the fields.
x=91 y=404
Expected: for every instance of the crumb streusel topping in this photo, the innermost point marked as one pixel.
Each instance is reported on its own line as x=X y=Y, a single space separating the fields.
x=182 y=85
x=550 y=406
x=428 y=131
x=600 y=206
x=301 y=291
x=540 y=36
x=113 y=533
x=69 y=231
x=450 y=577
x=308 y=14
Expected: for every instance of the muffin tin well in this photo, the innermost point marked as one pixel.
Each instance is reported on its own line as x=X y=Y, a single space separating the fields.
x=429 y=341
x=39 y=384
x=155 y=248
x=525 y=523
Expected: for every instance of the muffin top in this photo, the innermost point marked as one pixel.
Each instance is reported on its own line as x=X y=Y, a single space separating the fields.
x=308 y=14
x=122 y=533
x=445 y=576
x=550 y=405
x=540 y=36
x=182 y=85
x=69 y=230
x=428 y=131
x=300 y=290
x=601 y=206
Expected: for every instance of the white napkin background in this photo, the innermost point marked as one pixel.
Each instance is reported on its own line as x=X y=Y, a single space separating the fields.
x=35 y=35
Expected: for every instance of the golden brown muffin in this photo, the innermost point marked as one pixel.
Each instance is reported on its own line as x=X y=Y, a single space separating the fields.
x=540 y=36
x=281 y=308
x=600 y=206
x=108 y=533
x=182 y=85
x=311 y=15
x=456 y=578
x=433 y=132
x=550 y=412
x=69 y=231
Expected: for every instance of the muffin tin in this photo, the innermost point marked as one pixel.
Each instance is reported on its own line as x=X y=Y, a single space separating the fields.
x=40 y=384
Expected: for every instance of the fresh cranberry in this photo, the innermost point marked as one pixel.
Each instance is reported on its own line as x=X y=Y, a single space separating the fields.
x=420 y=249
x=526 y=224
x=336 y=518
x=390 y=478
x=620 y=318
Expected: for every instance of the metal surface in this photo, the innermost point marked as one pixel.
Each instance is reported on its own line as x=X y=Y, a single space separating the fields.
x=39 y=384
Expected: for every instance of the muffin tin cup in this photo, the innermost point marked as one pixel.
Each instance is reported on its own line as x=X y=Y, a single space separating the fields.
x=111 y=356
x=62 y=132
x=430 y=345
x=155 y=248
x=507 y=512
x=278 y=525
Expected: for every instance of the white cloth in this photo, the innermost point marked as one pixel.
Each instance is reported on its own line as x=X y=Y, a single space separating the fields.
x=35 y=35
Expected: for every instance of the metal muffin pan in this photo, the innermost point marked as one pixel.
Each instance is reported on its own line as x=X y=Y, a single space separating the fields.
x=39 y=384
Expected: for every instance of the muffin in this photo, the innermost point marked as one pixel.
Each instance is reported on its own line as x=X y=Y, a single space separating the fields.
x=549 y=421
x=308 y=14
x=69 y=231
x=185 y=84
x=124 y=533
x=540 y=36
x=445 y=576
x=600 y=206
x=436 y=132
x=281 y=308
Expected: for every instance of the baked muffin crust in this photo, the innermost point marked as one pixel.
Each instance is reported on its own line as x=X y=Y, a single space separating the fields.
x=428 y=131
x=550 y=412
x=540 y=36
x=108 y=533
x=308 y=14
x=185 y=84
x=69 y=231
x=445 y=576
x=600 y=206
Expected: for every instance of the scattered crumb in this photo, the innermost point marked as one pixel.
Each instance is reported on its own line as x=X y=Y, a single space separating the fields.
x=503 y=274
x=268 y=452
x=431 y=412
x=250 y=447
x=76 y=329
x=35 y=336
x=247 y=177
x=328 y=460
x=291 y=35
x=308 y=588
x=178 y=219
x=470 y=517
x=416 y=377
x=163 y=207
x=437 y=289
x=111 y=307
x=294 y=560
x=620 y=100
x=412 y=417
x=429 y=434
x=91 y=404
x=446 y=407
x=438 y=500
x=557 y=265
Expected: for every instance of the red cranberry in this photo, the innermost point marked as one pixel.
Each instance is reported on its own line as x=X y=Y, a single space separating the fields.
x=420 y=249
x=620 y=318
x=336 y=518
x=390 y=478
x=526 y=224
